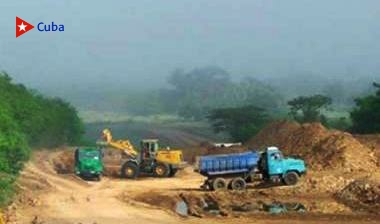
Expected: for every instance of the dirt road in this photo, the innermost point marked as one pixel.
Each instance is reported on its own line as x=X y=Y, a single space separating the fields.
x=62 y=199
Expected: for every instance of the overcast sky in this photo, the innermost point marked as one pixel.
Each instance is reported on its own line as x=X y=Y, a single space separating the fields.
x=137 y=43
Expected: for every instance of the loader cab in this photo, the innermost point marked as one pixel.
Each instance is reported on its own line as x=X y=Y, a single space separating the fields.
x=149 y=148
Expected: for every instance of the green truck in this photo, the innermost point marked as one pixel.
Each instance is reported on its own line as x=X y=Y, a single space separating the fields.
x=89 y=163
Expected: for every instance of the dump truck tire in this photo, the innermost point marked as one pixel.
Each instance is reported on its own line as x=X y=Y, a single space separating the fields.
x=98 y=177
x=291 y=178
x=130 y=170
x=161 y=170
x=238 y=184
x=219 y=184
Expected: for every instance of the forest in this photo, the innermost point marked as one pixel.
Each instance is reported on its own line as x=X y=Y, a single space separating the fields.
x=29 y=120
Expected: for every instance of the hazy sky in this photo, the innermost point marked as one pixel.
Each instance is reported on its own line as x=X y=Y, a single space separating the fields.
x=137 y=43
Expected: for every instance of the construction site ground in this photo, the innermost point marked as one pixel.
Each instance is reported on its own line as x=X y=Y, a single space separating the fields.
x=47 y=196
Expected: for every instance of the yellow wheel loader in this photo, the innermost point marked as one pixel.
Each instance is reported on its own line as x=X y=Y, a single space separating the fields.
x=149 y=160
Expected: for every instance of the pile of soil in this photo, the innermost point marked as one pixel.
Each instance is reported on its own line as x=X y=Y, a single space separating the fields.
x=64 y=162
x=341 y=150
x=315 y=183
x=372 y=142
x=362 y=194
x=321 y=148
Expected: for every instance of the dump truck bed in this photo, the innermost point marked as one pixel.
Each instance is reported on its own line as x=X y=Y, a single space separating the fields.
x=228 y=163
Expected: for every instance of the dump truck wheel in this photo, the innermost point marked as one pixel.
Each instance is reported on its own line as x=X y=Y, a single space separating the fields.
x=219 y=184
x=291 y=178
x=173 y=171
x=161 y=170
x=130 y=170
x=98 y=177
x=238 y=184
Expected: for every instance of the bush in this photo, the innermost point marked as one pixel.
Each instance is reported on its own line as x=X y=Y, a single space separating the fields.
x=6 y=188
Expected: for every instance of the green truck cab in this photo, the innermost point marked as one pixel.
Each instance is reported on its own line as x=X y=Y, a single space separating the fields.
x=89 y=163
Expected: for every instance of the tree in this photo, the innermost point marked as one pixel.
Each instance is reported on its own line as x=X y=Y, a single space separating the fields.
x=308 y=108
x=366 y=116
x=241 y=123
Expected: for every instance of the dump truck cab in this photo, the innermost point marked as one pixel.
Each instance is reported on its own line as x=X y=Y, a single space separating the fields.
x=277 y=167
x=89 y=163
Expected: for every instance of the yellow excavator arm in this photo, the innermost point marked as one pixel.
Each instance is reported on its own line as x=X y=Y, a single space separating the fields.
x=123 y=145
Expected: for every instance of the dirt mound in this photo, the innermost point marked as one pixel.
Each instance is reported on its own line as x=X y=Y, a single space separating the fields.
x=362 y=194
x=372 y=142
x=341 y=150
x=291 y=137
x=64 y=162
x=320 y=147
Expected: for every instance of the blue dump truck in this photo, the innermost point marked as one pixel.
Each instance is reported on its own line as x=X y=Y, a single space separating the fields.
x=235 y=170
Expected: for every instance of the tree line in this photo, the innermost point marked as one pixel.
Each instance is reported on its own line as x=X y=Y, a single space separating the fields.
x=242 y=107
x=244 y=122
x=29 y=119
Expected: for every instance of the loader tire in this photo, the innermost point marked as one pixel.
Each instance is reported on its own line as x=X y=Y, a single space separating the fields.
x=173 y=171
x=161 y=170
x=130 y=170
x=291 y=178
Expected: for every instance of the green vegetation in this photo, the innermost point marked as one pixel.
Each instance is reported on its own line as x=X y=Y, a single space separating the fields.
x=308 y=108
x=366 y=114
x=28 y=119
x=240 y=122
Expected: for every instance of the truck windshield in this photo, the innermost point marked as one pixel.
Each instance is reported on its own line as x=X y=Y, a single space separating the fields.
x=89 y=155
x=277 y=156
